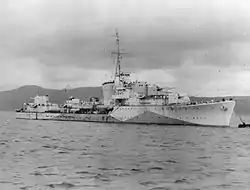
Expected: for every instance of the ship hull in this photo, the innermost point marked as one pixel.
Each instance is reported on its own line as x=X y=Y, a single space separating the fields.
x=209 y=114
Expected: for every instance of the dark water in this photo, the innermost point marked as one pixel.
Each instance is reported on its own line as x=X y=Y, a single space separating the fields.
x=70 y=155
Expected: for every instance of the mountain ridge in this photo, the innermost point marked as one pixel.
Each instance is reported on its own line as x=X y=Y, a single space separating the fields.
x=12 y=99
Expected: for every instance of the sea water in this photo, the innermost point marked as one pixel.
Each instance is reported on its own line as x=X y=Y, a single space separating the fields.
x=75 y=155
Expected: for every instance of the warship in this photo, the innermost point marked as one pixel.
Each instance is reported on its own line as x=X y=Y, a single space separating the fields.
x=130 y=101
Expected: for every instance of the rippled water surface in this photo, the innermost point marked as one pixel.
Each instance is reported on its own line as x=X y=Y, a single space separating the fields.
x=71 y=155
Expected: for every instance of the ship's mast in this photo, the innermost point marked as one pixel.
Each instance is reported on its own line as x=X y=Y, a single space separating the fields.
x=118 y=53
x=118 y=57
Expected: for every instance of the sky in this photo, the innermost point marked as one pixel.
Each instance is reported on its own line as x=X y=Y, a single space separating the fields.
x=201 y=47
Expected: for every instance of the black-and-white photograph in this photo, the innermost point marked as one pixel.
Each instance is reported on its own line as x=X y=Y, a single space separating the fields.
x=124 y=94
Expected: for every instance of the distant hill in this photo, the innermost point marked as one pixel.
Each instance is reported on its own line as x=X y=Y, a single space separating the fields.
x=12 y=99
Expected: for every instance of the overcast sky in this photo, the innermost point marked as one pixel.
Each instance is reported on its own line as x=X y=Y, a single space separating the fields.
x=202 y=47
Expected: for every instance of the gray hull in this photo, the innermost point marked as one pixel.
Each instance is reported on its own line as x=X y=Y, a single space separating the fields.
x=212 y=114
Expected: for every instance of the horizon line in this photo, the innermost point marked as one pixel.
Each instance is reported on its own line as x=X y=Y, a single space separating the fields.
x=59 y=89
